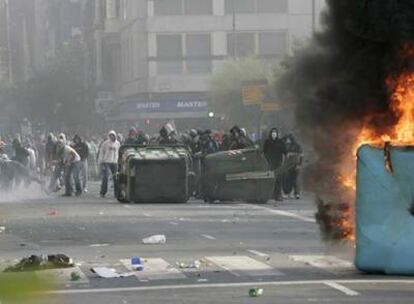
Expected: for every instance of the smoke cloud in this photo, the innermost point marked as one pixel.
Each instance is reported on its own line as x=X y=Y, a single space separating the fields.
x=340 y=80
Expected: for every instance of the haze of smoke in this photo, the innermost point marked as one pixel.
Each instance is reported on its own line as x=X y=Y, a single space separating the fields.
x=33 y=192
x=340 y=78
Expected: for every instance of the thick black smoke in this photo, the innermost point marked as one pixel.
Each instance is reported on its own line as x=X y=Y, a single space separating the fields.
x=340 y=79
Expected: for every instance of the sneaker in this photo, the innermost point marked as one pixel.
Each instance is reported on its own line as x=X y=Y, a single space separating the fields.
x=297 y=196
x=85 y=190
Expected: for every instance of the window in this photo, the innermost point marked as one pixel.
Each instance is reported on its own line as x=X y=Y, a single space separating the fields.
x=169 y=53
x=199 y=53
x=198 y=7
x=272 y=6
x=273 y=43
x=245 y=44
x=240 y=6
x=168 y=7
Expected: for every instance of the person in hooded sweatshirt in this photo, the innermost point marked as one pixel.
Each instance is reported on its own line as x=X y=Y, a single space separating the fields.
x=108 y=160
x=82 y=149
x=275 y=151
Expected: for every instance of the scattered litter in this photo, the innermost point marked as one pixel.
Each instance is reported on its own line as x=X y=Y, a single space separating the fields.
x=52 y=213
x=202 y=280
x=2 y=229
x=99 y=245
x=108 y=273
x=137 y=264
x=101 y=213
x=194 y=265
x=42 y=262
x=75 y=276
x=155 y=239
x=255 y=292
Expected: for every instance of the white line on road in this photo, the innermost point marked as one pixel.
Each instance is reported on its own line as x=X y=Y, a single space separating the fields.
x=226 y=285
x=288 y=214
x=99 y=245
x=342 y=288
x=208 y=236
x=258 y=253
x=147 y=214
x=174 y=223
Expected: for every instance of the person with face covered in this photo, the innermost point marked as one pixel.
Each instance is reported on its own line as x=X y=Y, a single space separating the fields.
x=275 y=151
x=108 y=160
x=82 y=148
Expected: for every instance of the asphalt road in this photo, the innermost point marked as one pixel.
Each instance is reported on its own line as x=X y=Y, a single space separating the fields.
x=238 y=246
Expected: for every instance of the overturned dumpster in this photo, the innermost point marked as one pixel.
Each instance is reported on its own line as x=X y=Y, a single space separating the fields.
x=237 y=175
x=154 y=174
x=384 y=210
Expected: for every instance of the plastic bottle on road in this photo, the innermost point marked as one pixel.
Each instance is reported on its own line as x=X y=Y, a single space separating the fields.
x=155 y=239
x=255 y=292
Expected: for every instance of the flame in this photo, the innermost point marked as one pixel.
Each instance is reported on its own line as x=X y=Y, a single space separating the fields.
x=400 y=134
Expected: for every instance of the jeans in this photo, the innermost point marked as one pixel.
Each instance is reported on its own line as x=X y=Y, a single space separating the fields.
x=72 y=170
x=105 y=169
x=277 y=190
x=84 y=172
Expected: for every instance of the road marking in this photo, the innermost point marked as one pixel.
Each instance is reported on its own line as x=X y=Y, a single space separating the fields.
x=244 y=265
x=174 y=223
x=288 y=214
x=342 y=288
x=99 y=245
x=208 y=236
x=147 y=215
x=258 y=253
x=225 y=285
x=326 y=262
x=155 y=269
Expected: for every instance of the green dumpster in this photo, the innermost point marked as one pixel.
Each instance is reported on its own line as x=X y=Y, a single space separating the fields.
x=154 y=174
x=237 y=175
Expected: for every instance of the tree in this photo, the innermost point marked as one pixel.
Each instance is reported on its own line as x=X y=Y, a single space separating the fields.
x=56 y=96
x=226 y=89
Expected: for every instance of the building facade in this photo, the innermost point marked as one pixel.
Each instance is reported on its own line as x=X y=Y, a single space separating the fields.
x=168 y=49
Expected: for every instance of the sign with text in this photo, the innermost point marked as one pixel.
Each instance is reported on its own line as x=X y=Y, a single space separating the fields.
x=253 y=92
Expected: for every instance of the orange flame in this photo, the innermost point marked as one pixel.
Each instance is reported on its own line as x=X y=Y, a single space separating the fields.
x=401 y=134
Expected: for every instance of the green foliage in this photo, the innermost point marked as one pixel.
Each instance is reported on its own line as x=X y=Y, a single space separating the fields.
x=57 y=96
x=23 y=288
x=226 y=88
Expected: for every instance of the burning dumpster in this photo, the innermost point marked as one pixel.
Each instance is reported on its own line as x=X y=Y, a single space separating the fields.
x=384 y=210
x=154 y=174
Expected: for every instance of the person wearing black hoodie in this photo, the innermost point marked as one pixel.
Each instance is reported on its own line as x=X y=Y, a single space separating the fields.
x=274 y=150
x=82 y=148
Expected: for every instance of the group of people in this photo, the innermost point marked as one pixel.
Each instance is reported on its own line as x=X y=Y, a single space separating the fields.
x=70 y=163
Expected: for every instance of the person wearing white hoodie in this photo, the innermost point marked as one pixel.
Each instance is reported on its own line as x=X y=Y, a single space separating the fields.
x=108 y=160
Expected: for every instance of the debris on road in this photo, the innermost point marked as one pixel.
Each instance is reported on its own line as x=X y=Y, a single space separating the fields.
x=2 y=229
x=75 y=276
x=99 y=245
x=42 y=262
x=155 y=239
x=194 y=265
x=255 y=292
x=107 y=273
x=52 y=213
x=137 y=264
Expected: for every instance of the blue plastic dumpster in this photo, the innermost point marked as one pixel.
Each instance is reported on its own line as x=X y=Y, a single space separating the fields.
x=384 y=207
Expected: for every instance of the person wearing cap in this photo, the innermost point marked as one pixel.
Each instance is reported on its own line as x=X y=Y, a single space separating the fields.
x=108 y=160
x=71 y=162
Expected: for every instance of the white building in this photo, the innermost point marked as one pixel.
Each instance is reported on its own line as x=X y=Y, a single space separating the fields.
x=168 y=49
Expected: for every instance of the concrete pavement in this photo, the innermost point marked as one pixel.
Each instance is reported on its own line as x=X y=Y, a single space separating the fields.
x=238 y=245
